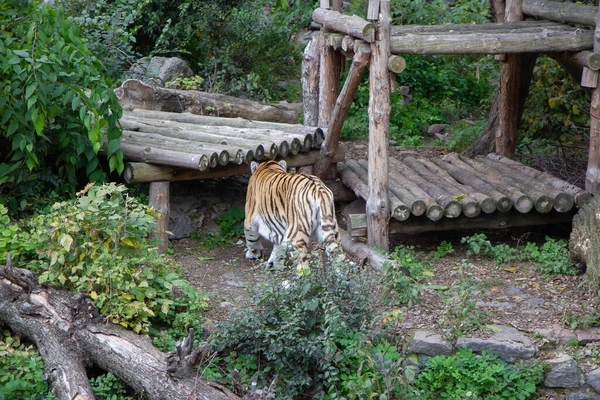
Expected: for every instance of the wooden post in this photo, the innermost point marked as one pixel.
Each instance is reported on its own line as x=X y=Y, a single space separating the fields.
x=310 y=82
x=330 y=146
x=592 y=176
x=378 y=207
x=508 y=92
x=159 y=199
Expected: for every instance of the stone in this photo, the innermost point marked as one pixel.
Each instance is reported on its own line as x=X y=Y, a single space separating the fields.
x=562 y=372
x=160 y=69
x=430 y=344
x=585 y=337
x=583 y=396
x=510 y=344
x=502 y=305
x=180 y=225
x=592 y=378
x=437 y=128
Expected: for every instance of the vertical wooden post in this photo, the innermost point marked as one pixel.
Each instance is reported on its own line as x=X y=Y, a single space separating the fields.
x=310 y=82
x=329 y=81
x=592 y=176
x=508 y=91
x=159 y=199
x=378 y=208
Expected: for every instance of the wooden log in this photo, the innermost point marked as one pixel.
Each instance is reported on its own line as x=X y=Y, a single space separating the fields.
x=587 y=59
x=362 y=252
x=541 y=201
x=580 y=196
x=396 y=64
x=584 y=242
x=334 y=40
x=341 y=194
x=468 y=177
x=561 y=12
x=487 y=204
x=200 y=162
x=452 y=207
x=349 y=24
x=159 y=200
x=561 y=201
x=492 y=43
x=136 y=172
x=329 y=81
x=134 y=94
x=488 y=27
x=351 y=177
x=499 y=220
x=520 y=200
x=470 y=207
x=377 y=208
x=589 y=78
x=592 y=175
x=342 y=104
x=417 y=205
x=205 y=120
x=310 y=82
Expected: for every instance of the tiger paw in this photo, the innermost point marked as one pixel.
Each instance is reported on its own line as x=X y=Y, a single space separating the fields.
x=254 y=254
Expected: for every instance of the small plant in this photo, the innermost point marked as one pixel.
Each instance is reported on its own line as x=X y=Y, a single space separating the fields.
x=21 y=369
x=232 y=222
x=109 y=387
x=402 y=279
x=210 y=240
x=552 y=258
x=585 y=317
x=479 y=244
x=193 y=83
x=443 y=249
x=461 y=315
x=470 y=376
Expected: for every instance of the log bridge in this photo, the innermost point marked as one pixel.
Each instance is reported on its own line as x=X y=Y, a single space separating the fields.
x=456 y=192
x=523 y=30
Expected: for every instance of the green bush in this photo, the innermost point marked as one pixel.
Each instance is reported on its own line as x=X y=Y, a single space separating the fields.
x=21 y=369
x=480 y=245
x=109 y=387
x=54 y=106
x=552 y=258
x=400 y=288
x=470 y=376
x=97 y=244
x=294 y=325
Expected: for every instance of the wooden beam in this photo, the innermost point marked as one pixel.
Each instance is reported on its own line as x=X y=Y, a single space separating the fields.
x=330 y=145
x=329 y=81
x=159 y=199
x=352 y=25
x=498 y=220
x=378 y=205
x=592 y=175
x=561 y=12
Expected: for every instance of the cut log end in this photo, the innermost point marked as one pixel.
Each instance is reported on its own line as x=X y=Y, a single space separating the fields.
x=452 y=209
x=401 y=213
x=544 y=204
x=523 y=204
x=435 y=213
x=471 y=208
x=418 y=208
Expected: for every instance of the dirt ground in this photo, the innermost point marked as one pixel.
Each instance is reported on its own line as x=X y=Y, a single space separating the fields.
x=512 y=294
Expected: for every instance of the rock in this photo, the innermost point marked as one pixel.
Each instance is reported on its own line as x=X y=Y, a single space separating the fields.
x=585 y=337
x=180 y=225
x=160 y=69
x=583 y=396
x=592 y=378
x=508 y=343
x=430 y=344
x=437 y=128
x=502 y=305
x=562 y=373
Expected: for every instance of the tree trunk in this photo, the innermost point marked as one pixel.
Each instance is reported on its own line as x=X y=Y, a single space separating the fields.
x=561 y=12
x=71 y=336
x=310 y=82
x=592 y=175
x=487 y=141
x=134 y=94
x=584 y=242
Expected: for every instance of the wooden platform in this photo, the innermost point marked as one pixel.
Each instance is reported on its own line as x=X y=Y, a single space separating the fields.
x=164 y=146
x=454 y=192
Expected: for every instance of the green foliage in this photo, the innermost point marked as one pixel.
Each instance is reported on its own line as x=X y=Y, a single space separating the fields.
x=479 y=244
x=109 y=387
x=443 y=249
x=463 y=135
x=234 y=45
x=399 y=287
x=193 y=83
x=294 y=324
x=552 y=258
x=232 y=222
x=21 y=369
x=97 y=244
x=470 y=376
x=109 y=28
x=587 y=315
x=54 y=105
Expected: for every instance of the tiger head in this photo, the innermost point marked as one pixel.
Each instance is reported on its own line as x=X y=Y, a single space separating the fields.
x=278 y=166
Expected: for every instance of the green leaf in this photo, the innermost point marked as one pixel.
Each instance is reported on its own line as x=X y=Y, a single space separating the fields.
x=66 y=241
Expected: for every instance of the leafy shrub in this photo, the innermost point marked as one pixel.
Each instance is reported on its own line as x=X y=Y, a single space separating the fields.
x=480 y=245
x=294 y=324
x=50 y=127
x=399 y=287
x=461 y=315
x=463 y=135
x=109 y=387
x=470 y=376
x=232 y=222
x=443 y=249
x=552 y=258
x=21 y=370
x=97 y=244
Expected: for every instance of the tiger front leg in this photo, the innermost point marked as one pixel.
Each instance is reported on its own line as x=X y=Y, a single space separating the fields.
x=254 y=247
x=277 y=258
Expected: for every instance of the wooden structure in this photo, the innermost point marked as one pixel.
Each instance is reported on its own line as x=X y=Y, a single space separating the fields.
x=515 y=34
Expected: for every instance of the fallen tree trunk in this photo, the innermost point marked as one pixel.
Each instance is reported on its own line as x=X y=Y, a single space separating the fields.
x=584 y=242
x=71 y=336
x=134 y=94
x=363 y=253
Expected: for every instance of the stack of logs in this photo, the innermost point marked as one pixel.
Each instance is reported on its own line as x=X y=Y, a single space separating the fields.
x=199 y=143
x=454 y=185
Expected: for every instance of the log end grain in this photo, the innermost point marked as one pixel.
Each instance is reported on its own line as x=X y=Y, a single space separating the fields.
x=418 y=208
x=523 y=204
x=563 y=202
x=544 y=204
x=452 y=209
x=435 y=212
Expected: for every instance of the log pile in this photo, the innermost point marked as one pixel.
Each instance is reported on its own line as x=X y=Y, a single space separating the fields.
x=424 y=191
x=200 y=143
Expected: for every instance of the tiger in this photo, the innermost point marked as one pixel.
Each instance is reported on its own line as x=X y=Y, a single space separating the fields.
x=288 y=209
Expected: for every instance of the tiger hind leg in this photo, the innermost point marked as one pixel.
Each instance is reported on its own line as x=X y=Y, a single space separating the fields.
x=253 y=244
